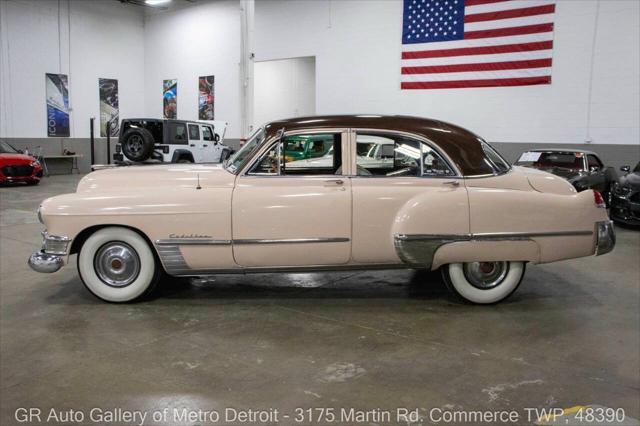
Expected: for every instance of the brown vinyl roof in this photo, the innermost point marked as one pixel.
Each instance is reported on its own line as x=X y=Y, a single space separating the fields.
x=462 y=146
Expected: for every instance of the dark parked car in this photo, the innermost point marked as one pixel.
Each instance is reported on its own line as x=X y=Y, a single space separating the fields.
x=625 y=197
x=583 y=169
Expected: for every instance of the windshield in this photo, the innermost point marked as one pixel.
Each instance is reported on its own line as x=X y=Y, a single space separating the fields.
x=637 y=168
x=243 y=153
x=5 y=148
x=564 y=160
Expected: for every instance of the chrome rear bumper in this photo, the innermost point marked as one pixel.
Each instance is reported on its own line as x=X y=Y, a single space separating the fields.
x=46 y=263
x=605 y=237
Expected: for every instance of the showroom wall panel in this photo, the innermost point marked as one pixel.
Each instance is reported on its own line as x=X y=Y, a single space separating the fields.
x=284 y=88
x=106 y=41
x=184 y=44
x=357 y=46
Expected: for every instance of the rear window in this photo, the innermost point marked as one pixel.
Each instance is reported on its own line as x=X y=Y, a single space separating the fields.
x=564 y=160
x=499 y=164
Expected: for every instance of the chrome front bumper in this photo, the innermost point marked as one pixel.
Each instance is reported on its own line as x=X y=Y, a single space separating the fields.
x=605 y=237
x=51 y=257
x=46 y=263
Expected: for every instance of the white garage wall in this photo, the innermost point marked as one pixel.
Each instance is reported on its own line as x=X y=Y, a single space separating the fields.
x=284 y=88
x=199 y=40
x=357 y=49
x=106 y=41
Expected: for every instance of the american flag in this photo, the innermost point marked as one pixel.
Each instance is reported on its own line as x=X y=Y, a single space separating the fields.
x=450 y=44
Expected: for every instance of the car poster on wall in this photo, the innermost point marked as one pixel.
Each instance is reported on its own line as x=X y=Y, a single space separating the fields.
x=170 y=98
x=206 y=97
x=109 y=109
x=57 y=93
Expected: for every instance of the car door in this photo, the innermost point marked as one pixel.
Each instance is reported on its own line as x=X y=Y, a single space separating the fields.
x=195 y=144
x=210 y=148
x=291 y=217
x=412 y=189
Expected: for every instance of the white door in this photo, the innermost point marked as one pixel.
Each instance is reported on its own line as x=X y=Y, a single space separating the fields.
x=195 y=143
x=293 y=217
x=211 y=149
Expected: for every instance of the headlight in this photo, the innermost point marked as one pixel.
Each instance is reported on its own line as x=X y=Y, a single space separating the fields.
x=35 y=163
x=39 y=212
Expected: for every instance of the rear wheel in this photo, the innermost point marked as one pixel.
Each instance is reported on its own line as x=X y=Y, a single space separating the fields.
x=483 y=282
x=117 y=265
x=137 y=144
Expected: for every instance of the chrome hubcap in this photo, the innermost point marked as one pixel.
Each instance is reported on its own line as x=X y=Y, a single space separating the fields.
x=117 y=264
x=485 y=275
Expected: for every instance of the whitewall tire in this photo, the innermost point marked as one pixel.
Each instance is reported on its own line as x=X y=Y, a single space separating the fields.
x=483 y=282
x=117 y=265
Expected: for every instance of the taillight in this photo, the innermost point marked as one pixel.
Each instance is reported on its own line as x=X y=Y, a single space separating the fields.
x=597 y=197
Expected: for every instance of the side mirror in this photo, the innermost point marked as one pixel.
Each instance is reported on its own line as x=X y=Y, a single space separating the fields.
x=625 y=169
x=216 y=138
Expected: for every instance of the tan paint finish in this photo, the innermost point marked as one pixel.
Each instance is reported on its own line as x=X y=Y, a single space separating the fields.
x=384 y=207
x=164 y=202
x=281 y=207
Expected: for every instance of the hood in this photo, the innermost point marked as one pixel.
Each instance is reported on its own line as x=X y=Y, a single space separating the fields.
x=7 y=158
x=166 y=176
x=631 y=180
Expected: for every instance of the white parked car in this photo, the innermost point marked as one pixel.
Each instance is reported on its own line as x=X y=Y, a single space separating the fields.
x=171 y=141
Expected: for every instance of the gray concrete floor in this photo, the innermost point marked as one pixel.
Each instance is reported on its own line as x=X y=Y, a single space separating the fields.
x=569 y=336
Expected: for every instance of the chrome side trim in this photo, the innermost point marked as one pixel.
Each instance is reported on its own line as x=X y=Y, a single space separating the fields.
x=193 y=242
x=292 y=240
x=172 y=260
x=294 y=269
x=419 y=249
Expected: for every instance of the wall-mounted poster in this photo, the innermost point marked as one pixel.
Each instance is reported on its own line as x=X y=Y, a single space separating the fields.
x=109 y=109
x=57 y=92
x=170 y=98
x=205 y=98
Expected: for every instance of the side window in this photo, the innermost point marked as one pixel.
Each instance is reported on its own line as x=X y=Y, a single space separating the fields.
x=594 y=162
x=388 y=155
x=500 y=164
x=194 y=132
x=318 y=154
x=178 y=133
x=207 y=134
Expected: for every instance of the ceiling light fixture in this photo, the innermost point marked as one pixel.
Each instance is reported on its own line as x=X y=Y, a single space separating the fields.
x=156 y=2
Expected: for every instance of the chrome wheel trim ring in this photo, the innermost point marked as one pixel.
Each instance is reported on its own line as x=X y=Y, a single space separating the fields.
x=117 y=264
x=485 y=275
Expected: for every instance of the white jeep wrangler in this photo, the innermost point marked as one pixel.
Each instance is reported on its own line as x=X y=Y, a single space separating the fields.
x=171 y=141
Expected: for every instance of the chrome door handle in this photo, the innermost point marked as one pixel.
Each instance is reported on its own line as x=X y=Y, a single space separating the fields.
x=451 y=182
x=335 y=181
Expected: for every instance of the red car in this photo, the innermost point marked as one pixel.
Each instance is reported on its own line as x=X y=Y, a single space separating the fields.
x=18 y=167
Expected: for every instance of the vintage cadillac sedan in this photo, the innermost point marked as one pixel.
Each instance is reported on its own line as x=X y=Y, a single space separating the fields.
x=457 y=205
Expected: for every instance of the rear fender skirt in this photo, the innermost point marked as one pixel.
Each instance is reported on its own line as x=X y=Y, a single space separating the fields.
x=432 y=250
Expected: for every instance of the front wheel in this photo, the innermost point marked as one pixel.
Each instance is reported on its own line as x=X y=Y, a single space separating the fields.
x=483 y=282
x=117 y=265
